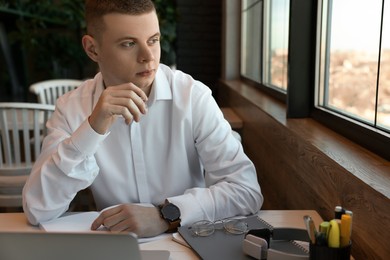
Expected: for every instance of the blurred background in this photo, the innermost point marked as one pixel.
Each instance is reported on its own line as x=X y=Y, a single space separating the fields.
x=41 y=40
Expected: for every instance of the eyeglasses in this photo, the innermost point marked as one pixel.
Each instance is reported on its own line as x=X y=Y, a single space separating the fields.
x=204 y=228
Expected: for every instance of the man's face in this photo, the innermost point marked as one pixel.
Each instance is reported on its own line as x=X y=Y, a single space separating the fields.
x=129 y=49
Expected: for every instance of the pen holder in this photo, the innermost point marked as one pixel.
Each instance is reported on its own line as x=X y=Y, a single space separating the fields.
x=329 y=253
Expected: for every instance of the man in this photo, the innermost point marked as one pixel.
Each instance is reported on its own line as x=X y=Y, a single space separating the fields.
x=139 y=133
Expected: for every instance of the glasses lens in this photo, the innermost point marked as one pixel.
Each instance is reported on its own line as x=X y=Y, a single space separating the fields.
x=235 y=226
x=203 y=228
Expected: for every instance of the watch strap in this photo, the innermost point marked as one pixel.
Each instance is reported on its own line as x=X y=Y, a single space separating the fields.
x=173 y=226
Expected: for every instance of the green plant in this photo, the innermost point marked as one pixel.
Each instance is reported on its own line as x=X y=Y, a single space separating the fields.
x=167 y=14
x=49 y=33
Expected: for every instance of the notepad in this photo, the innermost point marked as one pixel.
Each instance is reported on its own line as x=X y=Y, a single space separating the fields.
x=77 y=222
x=81 y=222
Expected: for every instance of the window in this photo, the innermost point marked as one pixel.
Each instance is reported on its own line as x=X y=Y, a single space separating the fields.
x=354 y=61
x=276 y=43
x=383 y=105
x=338 y=67
x=264 y=33
x=251 y=25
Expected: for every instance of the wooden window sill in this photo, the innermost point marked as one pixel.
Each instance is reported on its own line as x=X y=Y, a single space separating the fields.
x=363 y=164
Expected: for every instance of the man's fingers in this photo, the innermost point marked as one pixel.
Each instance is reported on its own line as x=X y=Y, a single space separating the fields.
x=125 y=100
x=139 y=92
x=128 y=110
x=106 y=218
x=131 y=101
x=97 y=223
x=127 y=89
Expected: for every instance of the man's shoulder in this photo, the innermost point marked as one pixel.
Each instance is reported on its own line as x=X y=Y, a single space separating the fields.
x=79 y=94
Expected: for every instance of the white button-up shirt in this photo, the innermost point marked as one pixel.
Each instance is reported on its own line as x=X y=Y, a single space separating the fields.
x=182 y=149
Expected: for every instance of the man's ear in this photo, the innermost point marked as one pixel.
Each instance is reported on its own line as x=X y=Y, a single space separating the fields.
x=90 y=47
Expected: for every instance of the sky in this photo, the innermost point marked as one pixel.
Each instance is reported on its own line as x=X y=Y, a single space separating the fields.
x=357 y=23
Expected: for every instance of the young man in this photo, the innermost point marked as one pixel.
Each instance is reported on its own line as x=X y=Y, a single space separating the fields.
x=139 y=133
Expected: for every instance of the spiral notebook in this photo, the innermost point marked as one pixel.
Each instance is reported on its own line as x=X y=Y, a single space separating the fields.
x=222 y=245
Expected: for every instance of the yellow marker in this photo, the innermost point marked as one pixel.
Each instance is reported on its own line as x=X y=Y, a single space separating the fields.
x=345 y=230
x=324 y=228
x=334 y=234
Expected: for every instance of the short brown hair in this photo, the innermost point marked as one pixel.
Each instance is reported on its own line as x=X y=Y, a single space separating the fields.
x=96 y=9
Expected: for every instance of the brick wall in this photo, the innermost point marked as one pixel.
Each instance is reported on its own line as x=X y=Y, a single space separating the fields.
x=199 y=32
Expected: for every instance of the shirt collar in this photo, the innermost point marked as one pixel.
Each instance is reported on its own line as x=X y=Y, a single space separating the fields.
x=161 y=89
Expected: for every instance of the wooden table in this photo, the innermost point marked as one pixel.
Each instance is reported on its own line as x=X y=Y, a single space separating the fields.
x=277 y=218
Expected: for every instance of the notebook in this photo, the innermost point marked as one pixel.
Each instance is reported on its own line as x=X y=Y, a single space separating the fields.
x=72 y=222
x=74 y=246
x=81 y=222
x=77 y=221
x=222 y=245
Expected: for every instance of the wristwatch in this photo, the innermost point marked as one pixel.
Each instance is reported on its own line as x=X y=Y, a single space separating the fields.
x=171 y=214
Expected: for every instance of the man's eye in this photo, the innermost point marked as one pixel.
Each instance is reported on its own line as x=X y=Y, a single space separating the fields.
x=128 y=44
x=154 y=40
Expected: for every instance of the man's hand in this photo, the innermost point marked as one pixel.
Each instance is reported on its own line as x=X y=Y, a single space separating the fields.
x=125 y=100
x=141 y=220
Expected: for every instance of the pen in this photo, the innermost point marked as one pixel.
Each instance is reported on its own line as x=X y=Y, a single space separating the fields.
x=349 y=212
x=334 y=234
x=338 y=212
x=322 y=234
x=311 y=229
x=345 y=230
x=324 y=228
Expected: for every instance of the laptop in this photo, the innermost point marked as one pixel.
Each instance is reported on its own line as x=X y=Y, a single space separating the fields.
x=74 y=246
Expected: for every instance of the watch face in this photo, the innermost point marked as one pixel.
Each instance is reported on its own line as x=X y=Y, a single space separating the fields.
x=170 y=212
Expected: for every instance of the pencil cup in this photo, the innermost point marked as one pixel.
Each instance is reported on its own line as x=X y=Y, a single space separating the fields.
x=328 y=253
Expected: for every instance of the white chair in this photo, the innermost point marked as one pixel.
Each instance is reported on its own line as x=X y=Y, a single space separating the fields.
x=22 y=126
x=48 y=91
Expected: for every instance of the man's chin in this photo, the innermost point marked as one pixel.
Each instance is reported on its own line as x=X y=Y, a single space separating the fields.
x=143 y=84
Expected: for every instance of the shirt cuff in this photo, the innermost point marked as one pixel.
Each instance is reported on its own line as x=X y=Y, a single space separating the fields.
x=86 y=140
x=189 y=209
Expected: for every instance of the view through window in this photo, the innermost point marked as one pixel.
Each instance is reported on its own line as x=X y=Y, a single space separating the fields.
x=355 y=60
x=264 y=42
x=276 y=43
x=251 y=23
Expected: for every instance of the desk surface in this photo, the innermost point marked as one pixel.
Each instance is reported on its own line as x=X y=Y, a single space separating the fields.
x=277 y=218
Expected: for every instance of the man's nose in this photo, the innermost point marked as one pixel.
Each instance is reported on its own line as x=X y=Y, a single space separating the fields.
x=145 y=54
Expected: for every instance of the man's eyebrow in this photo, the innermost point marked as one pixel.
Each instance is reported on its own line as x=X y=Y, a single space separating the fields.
x=155 y=35
x=126 y=38
x=135 y=38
